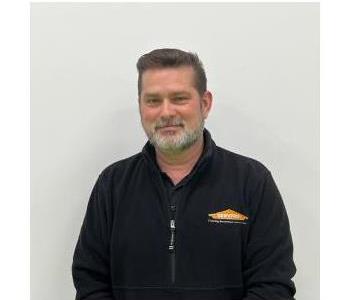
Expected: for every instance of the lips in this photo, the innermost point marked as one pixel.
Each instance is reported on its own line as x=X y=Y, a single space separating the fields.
x=168 y=126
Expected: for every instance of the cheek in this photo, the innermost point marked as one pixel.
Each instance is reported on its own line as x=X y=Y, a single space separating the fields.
x=194 y=116
x=148 y=116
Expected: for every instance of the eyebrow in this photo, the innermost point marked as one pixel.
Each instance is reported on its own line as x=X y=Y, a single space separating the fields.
x=172 y=94
x=180 y=93
x=151 y=95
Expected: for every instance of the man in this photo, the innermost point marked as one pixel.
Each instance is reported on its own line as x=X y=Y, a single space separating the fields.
x=184 y=218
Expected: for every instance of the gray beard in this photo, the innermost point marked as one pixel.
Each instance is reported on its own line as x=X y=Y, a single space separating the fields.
x=177 y=143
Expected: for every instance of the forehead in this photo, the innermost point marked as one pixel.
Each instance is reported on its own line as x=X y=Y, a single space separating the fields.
x=168 y=78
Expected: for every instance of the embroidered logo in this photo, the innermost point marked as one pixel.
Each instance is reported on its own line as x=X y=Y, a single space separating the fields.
x=227 y=216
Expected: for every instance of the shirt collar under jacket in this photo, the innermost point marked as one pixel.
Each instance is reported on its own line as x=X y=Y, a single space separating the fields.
x=149 y=153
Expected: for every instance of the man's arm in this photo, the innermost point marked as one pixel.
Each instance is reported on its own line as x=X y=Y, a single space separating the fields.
x=91 y=268
x=268 y=264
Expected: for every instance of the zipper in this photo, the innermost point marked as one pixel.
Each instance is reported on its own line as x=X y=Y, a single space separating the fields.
x=172 y=243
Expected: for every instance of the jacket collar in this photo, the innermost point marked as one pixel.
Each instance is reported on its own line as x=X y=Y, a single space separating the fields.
x=149 y=153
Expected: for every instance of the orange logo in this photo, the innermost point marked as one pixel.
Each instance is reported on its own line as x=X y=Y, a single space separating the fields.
x=229 y=215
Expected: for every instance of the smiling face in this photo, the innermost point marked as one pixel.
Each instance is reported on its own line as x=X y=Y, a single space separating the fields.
x=172 y=111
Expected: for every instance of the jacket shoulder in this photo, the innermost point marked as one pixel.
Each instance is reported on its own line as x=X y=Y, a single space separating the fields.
x=242 y=163
x=120 y=167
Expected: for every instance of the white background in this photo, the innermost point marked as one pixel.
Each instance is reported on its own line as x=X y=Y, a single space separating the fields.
x=262 y=63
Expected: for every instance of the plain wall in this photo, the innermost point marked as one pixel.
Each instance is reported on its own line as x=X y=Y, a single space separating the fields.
x=262 y=63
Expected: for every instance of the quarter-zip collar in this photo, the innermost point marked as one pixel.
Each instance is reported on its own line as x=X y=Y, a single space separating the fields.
x=149 y=154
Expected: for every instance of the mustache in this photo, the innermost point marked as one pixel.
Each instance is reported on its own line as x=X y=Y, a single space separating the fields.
x=165 y=122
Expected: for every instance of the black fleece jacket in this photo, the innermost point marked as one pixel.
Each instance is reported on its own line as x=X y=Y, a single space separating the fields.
x=224 y=235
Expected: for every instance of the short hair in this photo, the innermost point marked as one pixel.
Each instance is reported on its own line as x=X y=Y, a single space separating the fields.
x=173 y=58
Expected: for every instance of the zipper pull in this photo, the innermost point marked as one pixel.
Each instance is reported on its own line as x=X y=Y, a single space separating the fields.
x=172 y=235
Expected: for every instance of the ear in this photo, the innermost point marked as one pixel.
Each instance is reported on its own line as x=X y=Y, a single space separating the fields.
x=206 y=103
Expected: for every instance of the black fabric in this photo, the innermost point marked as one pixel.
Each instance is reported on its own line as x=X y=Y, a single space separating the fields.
x=123 y=247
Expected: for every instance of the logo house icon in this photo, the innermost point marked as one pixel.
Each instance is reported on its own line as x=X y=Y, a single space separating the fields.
x=227 y=216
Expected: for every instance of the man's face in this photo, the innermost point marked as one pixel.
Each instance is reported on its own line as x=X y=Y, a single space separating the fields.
x=172 y=111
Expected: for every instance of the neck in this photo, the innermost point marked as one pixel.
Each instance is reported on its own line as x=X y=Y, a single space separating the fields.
x=178 y=165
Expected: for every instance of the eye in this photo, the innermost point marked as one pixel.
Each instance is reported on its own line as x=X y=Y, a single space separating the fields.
x=180 y=98
x=152 y=101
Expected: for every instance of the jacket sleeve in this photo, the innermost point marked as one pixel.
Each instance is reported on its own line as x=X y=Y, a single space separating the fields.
x=91 y=268
x=268 y=265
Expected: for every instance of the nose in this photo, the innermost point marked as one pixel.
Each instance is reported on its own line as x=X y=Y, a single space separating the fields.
x=168 y=109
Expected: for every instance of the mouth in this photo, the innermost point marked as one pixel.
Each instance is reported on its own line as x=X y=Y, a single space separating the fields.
x=169 y=127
